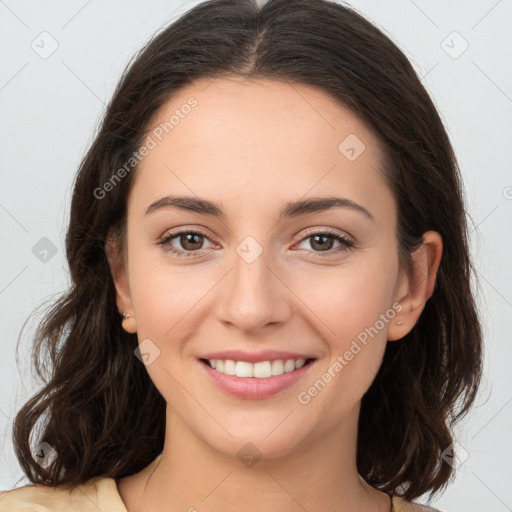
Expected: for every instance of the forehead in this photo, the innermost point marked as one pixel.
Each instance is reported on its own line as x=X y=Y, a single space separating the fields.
x=279 y=115
x=260 y=138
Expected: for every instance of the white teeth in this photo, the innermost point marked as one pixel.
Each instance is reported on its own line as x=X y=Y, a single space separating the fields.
x=260 y=370
x=289 y=366
x=277 y=367
x=243 y=369
x=229 y=367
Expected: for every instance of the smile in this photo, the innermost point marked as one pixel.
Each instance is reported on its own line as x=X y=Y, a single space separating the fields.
x=260 y=370
x=255 y=381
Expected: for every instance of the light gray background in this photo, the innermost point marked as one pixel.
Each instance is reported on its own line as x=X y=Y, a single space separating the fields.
x=49 y=109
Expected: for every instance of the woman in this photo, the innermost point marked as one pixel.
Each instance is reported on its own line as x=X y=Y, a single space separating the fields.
x=271 y=305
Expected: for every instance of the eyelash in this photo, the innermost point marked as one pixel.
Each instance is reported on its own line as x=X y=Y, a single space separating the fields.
x=346 y=244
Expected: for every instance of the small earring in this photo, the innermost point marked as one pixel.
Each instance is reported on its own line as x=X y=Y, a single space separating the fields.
x=399 y=323
x=128 y=323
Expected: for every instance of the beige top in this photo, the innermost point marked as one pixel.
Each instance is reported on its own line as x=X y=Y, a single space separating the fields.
x=101 y=494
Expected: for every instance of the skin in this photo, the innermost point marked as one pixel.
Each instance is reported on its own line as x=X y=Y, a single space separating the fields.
x=252 y=145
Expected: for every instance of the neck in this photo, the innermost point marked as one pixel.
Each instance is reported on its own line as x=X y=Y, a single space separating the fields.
x=190 y=475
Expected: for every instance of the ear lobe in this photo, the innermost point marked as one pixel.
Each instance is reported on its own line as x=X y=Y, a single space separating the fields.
x=119 y=275
x=417 y=288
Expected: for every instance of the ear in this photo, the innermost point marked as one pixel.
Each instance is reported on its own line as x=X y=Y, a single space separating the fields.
x=413 y=291
x=118 y=269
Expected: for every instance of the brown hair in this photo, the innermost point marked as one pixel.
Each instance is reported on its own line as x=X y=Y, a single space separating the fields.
x=99 y=409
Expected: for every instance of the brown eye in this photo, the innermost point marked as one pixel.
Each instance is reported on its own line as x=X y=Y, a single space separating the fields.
x=191 y=241
x=323 y=242
x=184 y=243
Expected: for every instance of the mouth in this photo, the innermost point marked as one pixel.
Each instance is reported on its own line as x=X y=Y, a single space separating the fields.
x=255 y=381
x=259 y=370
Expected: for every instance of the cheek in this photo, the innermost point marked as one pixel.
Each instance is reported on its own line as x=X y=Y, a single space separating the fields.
x=351 y=309
x=349 y=299
x=164 y=295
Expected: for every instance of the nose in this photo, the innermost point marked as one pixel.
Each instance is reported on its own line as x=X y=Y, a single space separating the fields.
x=254 y=295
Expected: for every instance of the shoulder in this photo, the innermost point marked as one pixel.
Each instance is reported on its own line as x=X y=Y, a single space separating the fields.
x=401 y=505
x=95 y=494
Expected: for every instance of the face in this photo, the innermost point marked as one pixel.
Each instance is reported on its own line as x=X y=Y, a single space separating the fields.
x=259 y=275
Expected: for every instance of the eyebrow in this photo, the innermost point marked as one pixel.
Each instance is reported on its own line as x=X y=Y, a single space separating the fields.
x=291 y=209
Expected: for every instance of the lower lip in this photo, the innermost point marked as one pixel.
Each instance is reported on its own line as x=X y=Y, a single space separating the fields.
x=253 y=388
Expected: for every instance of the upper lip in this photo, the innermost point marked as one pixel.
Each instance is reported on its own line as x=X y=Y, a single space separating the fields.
x=254 y=357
